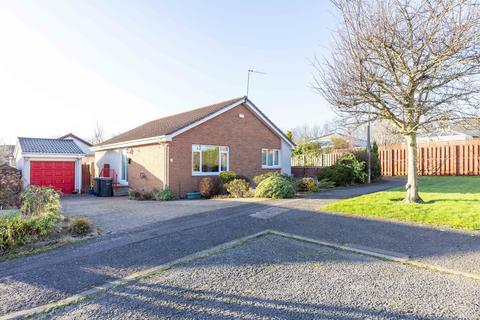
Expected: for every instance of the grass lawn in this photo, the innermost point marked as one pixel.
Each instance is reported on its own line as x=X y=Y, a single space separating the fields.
x=449 y=201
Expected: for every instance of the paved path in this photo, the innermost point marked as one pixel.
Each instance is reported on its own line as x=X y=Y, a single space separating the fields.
x=36 y=280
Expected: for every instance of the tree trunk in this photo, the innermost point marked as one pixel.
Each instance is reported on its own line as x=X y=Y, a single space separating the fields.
x=412 y=180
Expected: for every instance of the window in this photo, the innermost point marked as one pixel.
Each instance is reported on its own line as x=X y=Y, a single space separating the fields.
x=124 y=173
x=270 y=158
x=209 y=160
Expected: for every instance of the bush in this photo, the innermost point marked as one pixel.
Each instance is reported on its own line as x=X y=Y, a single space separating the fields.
x=276 y=187
x=18 y=230
x=239 y=188
x=261 y=177
x=146 y=195
x=40 y=200
x=133 y=194
x=164 y=195
x=307 y=185
x=227 y=176
x=80 y=226
x=376 y=165
x=339 y=174
x=325 y=184
x=209 y=186
x=358 y=168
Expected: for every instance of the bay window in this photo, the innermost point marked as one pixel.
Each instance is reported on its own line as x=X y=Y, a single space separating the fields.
x=209 y=160
x=270 y=158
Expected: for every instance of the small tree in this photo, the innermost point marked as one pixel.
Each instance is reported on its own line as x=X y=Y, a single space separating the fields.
x=98 y=134
x=415 y=64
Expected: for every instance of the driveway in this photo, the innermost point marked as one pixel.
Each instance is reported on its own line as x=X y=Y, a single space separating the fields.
x=117 y=214
x=33 y=281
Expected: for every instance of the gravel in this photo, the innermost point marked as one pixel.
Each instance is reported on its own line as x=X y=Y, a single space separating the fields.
x=277 y=278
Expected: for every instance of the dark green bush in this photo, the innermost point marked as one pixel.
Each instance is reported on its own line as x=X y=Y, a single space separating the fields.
x=146 y=195
x=276 y=187
x=209 y=186
x=164 y=195
x=133 y=194
x=325 y=184
x=358 y=167
x=40 y=200
x=239 y=188
x=80 y=226
x=361 y=156
x=341 y=175
x=261 y=177
x=227 y=176
x=307 y=184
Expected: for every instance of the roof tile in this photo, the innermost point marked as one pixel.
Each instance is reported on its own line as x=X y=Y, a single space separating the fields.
x=50 y=146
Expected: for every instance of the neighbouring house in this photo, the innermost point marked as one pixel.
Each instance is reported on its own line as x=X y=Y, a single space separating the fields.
x=6 y=154
x=327 y=140
x=50 y=162
x=178 y=150
x=449 y=135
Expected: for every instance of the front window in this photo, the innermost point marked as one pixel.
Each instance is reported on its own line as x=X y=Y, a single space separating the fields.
x=209 y=160
x=124 y=173
x=270 y=158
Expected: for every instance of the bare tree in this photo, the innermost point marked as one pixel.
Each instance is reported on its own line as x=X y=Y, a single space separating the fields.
x=414 y=63
x=98 y=134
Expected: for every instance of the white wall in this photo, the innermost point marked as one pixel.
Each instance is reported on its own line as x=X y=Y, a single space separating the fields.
x=285 y=158
x=113 y=158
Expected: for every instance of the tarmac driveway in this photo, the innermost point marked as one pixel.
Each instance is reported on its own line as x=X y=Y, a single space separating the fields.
x=116 y=214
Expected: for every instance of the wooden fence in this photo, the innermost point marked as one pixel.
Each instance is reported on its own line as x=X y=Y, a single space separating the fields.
x=434 y=158
x=323 y=160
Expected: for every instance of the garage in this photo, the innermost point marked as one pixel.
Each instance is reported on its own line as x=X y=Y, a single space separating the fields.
x=58 y=174
x=50 y=162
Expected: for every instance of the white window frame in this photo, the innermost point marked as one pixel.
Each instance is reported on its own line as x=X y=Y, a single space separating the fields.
x=273 y=166
x=220 y=152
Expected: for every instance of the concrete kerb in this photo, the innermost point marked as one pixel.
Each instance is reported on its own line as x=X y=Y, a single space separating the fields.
x=378 y=254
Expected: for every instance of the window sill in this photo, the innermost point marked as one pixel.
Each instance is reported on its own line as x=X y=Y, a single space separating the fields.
x=271 y=167
x=200 y=174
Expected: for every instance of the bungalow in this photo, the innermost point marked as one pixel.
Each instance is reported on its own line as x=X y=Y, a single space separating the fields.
x=178 y=150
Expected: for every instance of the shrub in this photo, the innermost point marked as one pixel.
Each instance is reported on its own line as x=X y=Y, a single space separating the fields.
x=17 y=230
x=164 y=195
x=209 y=186
x=80 y=226
x=358 y=167
x=325 y=184
x=307 y=185
x=146 y=195
x=239 y=188
x=261 y=177
x=133 y=194
x=227 y=176
x=340 y=174
x=40 y=200
x=376 y=165
x=276 y=187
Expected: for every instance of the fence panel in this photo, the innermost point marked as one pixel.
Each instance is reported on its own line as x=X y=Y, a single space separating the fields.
x=434 y=158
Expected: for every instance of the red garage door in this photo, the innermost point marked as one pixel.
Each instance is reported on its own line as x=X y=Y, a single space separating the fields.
x=58 y=174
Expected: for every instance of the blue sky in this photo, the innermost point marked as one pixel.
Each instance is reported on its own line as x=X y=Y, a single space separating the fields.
x=64 y=65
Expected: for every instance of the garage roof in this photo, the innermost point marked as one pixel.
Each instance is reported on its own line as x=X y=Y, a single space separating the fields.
x=49 y=146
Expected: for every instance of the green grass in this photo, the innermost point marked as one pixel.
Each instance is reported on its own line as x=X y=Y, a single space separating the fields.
x=449 y=201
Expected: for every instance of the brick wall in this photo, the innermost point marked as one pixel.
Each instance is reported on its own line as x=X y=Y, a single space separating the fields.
x=146 y=170
x=244 y=136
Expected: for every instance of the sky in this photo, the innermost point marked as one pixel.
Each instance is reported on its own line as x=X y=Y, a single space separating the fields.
x=67 y=65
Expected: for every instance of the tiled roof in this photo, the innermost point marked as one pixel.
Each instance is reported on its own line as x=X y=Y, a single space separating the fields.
x=169 y=124
x=50 y=146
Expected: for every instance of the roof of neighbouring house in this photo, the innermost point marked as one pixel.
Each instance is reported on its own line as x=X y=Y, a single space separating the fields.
x=174 y=123
x=71 y=135
x=49 y=146
x=326 y=140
